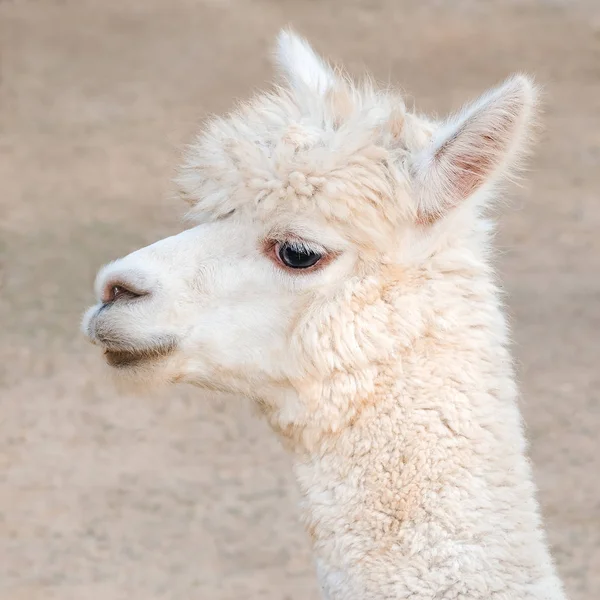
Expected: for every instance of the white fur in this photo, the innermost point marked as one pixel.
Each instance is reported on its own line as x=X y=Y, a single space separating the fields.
x=386 y=372
x=301 y=65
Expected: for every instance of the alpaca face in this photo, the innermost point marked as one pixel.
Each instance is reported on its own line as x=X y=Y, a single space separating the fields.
x=308 y=201
x=216 y=304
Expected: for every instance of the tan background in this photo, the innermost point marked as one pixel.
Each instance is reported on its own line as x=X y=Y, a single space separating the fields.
x=179 y=496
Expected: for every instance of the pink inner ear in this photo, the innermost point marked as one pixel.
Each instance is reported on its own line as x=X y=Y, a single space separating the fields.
x=459 y=174
x=468 y=167
x=466 y=161
x=472 y=148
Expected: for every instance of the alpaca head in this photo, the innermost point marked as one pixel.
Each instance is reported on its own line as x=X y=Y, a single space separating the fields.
x=309 y=203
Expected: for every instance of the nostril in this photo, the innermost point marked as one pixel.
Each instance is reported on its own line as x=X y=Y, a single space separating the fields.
x=118 y=290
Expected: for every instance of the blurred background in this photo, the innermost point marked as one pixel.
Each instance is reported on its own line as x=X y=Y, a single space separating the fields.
x=181 y=495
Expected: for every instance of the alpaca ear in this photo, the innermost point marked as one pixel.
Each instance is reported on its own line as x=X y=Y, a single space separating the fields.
x=474 y=148
x=301 y=65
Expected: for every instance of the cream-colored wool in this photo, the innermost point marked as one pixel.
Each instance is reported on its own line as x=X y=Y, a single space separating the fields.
x=384 y=369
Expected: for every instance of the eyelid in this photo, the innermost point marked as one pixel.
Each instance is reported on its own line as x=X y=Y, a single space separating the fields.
x=304 y=246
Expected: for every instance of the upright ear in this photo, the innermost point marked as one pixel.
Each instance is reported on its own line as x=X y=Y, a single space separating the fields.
x=474 y=148
x=301 y=66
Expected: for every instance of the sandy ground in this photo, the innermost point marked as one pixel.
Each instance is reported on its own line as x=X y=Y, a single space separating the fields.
x=178 y=495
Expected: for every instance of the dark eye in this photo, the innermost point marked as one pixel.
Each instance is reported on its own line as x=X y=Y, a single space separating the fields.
x=297 y=255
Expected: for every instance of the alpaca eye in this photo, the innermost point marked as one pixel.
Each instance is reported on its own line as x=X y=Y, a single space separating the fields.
x=297 y=255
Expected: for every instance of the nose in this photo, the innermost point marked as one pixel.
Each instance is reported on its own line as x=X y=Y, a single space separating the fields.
x=121 y=289
x=126 y=279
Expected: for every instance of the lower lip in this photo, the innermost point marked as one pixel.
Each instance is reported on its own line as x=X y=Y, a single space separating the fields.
x=121 y=360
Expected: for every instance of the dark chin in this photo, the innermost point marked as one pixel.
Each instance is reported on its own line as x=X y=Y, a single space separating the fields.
x=123 y=359
x=132 y=357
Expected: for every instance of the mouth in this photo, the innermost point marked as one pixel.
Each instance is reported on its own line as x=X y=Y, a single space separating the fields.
x=121 y=350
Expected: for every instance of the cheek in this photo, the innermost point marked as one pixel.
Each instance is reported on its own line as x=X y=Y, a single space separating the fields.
x=242 y=333
x=245 y=313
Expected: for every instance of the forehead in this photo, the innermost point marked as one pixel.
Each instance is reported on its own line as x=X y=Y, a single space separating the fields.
x=290 y=162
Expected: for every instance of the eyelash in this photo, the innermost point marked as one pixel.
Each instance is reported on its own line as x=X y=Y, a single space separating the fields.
x=302 y=246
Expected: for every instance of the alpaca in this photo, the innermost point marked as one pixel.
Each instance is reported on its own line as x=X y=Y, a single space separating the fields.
x=338 y=275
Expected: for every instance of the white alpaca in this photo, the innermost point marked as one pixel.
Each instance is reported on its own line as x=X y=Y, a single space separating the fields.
x=339 y=278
